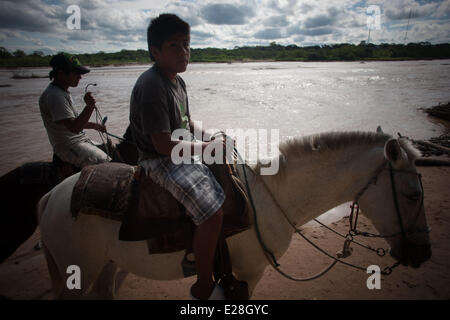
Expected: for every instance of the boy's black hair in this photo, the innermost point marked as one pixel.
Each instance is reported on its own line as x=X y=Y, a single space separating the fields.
x=162 y=28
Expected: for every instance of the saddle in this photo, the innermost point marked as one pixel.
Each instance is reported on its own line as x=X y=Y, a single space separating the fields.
x=147 y=211
x=38 y=173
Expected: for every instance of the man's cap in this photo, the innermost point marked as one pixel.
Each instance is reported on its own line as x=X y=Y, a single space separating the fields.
x=67 y=62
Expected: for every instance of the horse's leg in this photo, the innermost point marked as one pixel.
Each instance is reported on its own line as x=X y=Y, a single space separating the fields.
x=59 y=278
x=252 y=278
x=89 y=273
x=55 y=276
x=77 y=243
x=120 y=278
x=104 y=286
x=109 y=281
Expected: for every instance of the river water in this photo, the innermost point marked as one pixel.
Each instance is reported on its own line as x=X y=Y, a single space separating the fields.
x=297 y=98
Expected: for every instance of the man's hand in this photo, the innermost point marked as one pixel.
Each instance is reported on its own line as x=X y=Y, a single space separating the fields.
x=95 y=126
x=89 y=99
x=100 y=127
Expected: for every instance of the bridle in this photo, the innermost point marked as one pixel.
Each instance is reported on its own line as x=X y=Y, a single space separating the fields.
x=353 y=231
x=355 y=205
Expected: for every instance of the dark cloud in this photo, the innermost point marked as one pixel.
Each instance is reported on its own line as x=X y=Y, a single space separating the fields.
x=319 y=21
x=200 y=35
x=268 y=34
x=297 y=30
x=223 y=13
x=317 y=31
x=31 y=16
x=328 y=19
x=276 y=21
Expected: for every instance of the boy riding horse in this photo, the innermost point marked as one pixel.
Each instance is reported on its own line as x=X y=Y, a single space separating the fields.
x=158 y=107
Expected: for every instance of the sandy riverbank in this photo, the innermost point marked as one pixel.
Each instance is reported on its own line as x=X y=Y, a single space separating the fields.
x=25 y=276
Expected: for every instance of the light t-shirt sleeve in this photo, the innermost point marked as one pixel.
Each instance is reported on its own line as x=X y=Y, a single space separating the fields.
x=59 y=107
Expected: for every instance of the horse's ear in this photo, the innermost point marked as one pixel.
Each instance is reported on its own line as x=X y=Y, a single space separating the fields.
x=379 y=130
x=393 y=151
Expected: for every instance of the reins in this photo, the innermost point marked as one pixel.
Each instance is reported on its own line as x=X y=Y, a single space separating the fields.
x=353 y=231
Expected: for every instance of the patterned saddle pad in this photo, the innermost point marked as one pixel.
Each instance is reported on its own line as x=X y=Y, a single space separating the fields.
x=147 y=211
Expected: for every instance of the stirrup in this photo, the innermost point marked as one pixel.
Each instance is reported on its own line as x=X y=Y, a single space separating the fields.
x=216 y=294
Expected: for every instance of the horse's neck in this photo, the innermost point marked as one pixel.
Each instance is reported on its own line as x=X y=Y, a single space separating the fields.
x=319 y=182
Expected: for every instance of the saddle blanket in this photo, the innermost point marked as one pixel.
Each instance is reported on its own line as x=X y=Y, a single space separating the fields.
x=147 y=211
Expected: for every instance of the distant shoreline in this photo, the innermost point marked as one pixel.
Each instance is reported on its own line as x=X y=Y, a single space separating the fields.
x=271 y=53
x=230 y=62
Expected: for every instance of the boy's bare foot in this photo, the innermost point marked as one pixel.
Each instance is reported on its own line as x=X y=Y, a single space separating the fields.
x=202 y=293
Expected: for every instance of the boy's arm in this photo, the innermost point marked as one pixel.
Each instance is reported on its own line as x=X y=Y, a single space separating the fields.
x=164 y=144
x=205 y=136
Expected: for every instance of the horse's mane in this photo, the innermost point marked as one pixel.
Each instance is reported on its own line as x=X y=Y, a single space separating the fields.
x=299 y=147
x=328 y=141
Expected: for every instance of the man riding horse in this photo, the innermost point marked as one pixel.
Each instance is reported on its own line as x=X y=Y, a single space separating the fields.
x=63 y=123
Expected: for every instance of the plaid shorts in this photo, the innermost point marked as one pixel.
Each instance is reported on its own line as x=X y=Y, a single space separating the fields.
x=193 y=185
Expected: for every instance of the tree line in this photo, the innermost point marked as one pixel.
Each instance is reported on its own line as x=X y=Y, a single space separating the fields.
x=272 y=52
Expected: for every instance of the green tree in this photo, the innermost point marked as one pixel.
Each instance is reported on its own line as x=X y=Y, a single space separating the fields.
x=4 y=53
x=19 y=53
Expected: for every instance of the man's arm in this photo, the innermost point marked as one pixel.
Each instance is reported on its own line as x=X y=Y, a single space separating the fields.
x=95 y=126
x=76 y=125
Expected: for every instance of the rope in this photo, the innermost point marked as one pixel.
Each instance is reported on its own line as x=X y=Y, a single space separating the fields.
x=380 y=251
x=269 y=255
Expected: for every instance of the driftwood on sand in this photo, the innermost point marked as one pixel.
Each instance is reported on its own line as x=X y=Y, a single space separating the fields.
x=431 y=145
x=441 y=111
x=439 y=146
x=432 y=162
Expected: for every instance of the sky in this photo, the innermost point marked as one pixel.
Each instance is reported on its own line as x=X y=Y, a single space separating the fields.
x=51 y=26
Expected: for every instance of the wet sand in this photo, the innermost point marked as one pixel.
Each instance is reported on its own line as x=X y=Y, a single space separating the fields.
x=25 y=275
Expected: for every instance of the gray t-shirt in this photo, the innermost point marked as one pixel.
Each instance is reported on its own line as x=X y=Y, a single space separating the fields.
x=157 y=105
x=56 y=104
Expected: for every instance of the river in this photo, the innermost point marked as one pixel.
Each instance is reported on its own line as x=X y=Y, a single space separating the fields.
x=297 y=98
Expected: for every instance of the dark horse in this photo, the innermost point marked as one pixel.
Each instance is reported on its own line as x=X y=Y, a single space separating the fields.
x=22 y=188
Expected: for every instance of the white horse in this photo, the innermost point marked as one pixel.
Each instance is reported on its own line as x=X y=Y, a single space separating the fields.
x=316 y=173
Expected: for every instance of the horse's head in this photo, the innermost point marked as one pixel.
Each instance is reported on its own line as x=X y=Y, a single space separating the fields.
x=395 y=204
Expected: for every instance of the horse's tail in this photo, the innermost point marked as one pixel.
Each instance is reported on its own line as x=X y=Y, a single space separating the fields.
x=42 y=204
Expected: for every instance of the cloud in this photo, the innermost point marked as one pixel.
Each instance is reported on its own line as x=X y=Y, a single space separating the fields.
x=186 y=11
x=224 y=13
x=113 y=25
x=271 y=33
x=276 y=21
x=201 y=35
x=8 y=34
x=395 y=13
x=321 y=20
x=31 y=16
x=317 y=31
